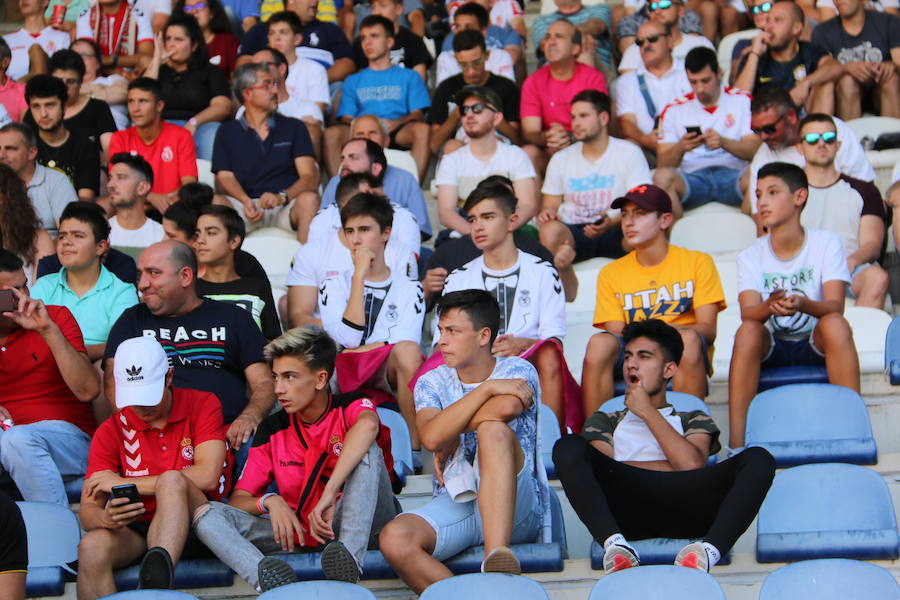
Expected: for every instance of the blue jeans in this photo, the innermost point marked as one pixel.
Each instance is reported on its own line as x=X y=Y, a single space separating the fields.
x=40 y=455
x=204 y=137
x=712 y=184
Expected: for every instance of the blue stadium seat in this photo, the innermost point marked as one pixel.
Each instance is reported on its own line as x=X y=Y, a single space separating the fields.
x=777 y=376
x=484 y=586
x=653 y=551
x=53 y=535
x=892 y=351
x=401 y=445
x=829 y=510
x=189 y=574
x=150 y=595
x=812 y=423
x=549 y=435
x=319 y=590
x=660 y=582
x=830 y=579
x=73 y=489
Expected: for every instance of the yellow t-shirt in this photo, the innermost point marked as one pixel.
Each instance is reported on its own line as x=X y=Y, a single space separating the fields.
x=267 y=8
x=627 y=291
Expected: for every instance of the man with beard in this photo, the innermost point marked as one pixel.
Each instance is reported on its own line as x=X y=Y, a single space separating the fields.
x=461 y=171
x=130 y=181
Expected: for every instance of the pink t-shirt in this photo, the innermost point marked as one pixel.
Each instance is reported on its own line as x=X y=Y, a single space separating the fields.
x=551 y=99
x=12 y=96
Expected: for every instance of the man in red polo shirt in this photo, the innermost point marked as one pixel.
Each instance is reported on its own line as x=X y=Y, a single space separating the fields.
x=46 y=387
x=168 y=148
x=318 y=448
x=167 y=441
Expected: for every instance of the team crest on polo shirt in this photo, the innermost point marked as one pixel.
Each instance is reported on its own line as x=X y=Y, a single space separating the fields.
x=391 y=313
x=524 y=297
x=167 y=155
x=729 y=120
x=187 y=450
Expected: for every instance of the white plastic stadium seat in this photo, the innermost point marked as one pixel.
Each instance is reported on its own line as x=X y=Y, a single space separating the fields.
x=869 y=326
x=549 y=6
x=717 y=233
x=728 y=276
x=402 y=159
x=884 y=161
x=872 y=127
x=204 y=172
x=586 y=299
x=274 y=252
x=726 y=47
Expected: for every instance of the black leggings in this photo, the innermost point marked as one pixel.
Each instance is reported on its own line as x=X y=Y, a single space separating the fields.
x=716 y=504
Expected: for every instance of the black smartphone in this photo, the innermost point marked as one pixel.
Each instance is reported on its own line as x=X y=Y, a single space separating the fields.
x=7 y=301
x=694 y=129
x=127 y=490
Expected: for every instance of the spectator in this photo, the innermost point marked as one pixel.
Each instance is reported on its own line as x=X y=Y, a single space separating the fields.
x=788 y=320
x=867 y=44
x=220 y=232
x=130 y=182
x=35 y=31
x=94 y=296
x=408 y=50
x=705 y=139
x=576 y=221
x=461 y=171
x=111 y=89
x=668 y=14
x=635 y=13
x=123 y=32
x=152 y=415
x=547 y=94
x=217 y=31
x=14 y=563
x=471 y=56
x=776 y=120
x=264 y=161
x=58 y=148
x=852 y=209
x=473 y=15
x=499 y=60
x=195 y=94
x=306 y=79
x=20 y=227
x=612 y=471
x=759 y=10
x=345 y=509
x=401 y=99
x=49 y=190
x=644 y=92
x=594 y=23
x=244 y=14
x=48 y=385
x=214 y=347
x=158 y=11
x=685 y=292
x=497 y=399
x=12 y=92
x=779 y=57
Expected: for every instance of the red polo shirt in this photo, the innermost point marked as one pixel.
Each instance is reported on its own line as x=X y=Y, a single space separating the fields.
x=172 y=154
x=129 y=446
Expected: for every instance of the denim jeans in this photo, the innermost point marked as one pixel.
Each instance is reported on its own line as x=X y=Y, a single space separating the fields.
x=204 y=137
x=40 y=455
x=241 y=540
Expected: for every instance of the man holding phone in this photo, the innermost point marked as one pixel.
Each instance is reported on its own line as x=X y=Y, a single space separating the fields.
x=150 y=465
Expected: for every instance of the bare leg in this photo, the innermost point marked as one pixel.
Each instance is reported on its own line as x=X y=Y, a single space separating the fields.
x=889 y=97
x=335 y=136
x=176 y=498
x=751 y=343
x=821 y=99
x=416 y=135
x=539 y=158
x=407 y=543
x=670 y=180
x=849 y=105
x=730 y=20
x=404 y=361
x=314 y=127
x=709 y=17
x=303 y=211
x=870 y=287
x=833 y=337
x=12 y=586
x=691 y=375
x=499 y=460
x=597 y=381
x=549 y=367
x=556 y=237
x=99 y=552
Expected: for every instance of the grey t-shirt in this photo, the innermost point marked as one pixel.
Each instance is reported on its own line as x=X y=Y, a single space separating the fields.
x=880 y=33
x=50 y=191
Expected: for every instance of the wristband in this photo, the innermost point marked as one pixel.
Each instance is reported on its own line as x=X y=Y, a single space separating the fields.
x=261 y=503
x=192 y=121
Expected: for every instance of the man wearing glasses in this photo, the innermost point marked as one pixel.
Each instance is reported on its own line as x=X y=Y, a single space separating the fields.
x=667 y=13
x=778 y=57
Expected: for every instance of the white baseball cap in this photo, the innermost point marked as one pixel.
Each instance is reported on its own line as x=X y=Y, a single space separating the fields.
x=140 y=369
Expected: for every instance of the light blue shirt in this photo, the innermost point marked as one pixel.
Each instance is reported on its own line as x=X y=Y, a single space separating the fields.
x=97 y=310
x=389 y=93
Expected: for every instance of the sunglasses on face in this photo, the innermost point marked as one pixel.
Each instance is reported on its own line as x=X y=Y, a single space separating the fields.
x=661 y=5
x=472 y=63
x=195 y=7
x=767 y=129
x=829 y=137
x=650 y=38
x=478 y=108
x=762 y=8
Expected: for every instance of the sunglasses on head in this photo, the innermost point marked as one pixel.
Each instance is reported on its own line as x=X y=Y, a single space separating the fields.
x=762 y=8
x=477 y=108
x=660 y=5
x=650 y=38
x=829 y=137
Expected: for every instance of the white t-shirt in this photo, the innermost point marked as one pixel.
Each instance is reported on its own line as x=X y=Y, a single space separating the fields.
x=462 y=169
x=821 y=259
x=20 y=41
x=504 y=11
x=730 y=118
x=663 y=91
x=148 y=233
x=632 y=57
x=588 y=188
x=530 y=295
x=149 y=7
x=307 y=80
x=404 y=229
x=498 y=62
x=839 y=208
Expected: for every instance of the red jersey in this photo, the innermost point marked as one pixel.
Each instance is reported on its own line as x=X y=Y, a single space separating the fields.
x=129 y=446
x=12 y=96
x=278 y=453
x=172 y=154
x=33 y=388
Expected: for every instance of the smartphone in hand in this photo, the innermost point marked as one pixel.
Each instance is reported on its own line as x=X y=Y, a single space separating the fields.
x=694 y=130
x=127 y=490
x=7 y=301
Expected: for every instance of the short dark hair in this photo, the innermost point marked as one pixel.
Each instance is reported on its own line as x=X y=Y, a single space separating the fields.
x=89 y=213
x=772 y=96
x=234 y=224
x=598 y=99
x=473 y=9
x=137 y=163
x=46 y=86
x=66 y=60
x=9 y=262
x=312 y=345
x=656 y=330
x=817 y=118
x=147 y=84
x=289 y=17
x=792 y=175
x=498 y=192
x=192 y=198
x=278 y=56
x=29 y=137
x=182 y=255
x=367 y=204
x=378 y=21
x=348 y=186
x=480 y=306
x=5 y=51
x=699 y=58
x=375 y=154
x=469 y=39
x=199 y=56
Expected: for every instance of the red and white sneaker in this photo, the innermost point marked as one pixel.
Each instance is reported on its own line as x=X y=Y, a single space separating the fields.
x=617 y=558
x=693 y=556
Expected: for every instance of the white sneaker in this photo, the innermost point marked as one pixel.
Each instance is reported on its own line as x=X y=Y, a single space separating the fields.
x=693 y=556
x=617 y=558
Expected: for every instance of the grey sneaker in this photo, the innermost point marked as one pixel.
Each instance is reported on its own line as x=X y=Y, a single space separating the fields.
x=619 y=557
x=501 y=560
x=693 y=556
x=273 y=572
x=338 y=564
x=156 y=571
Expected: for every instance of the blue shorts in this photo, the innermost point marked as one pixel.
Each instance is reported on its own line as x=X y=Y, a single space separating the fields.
x=458 y=525
x=620 y=362
x=793 y=353
x=712 y=184
x=608 y=245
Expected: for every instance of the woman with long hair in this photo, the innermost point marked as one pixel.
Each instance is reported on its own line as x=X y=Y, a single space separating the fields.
x=217 y=31
x=111 y=89
x=20 y=231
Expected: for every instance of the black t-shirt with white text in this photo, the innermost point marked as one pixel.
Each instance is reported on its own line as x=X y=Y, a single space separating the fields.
x=253 y=295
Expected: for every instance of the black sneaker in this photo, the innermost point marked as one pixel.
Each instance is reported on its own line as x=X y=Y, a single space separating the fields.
x=156 y=571
x=338 y=564
x=274 y=572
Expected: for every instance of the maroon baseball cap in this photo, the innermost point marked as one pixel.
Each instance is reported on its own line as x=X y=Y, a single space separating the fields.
x=648 y=197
